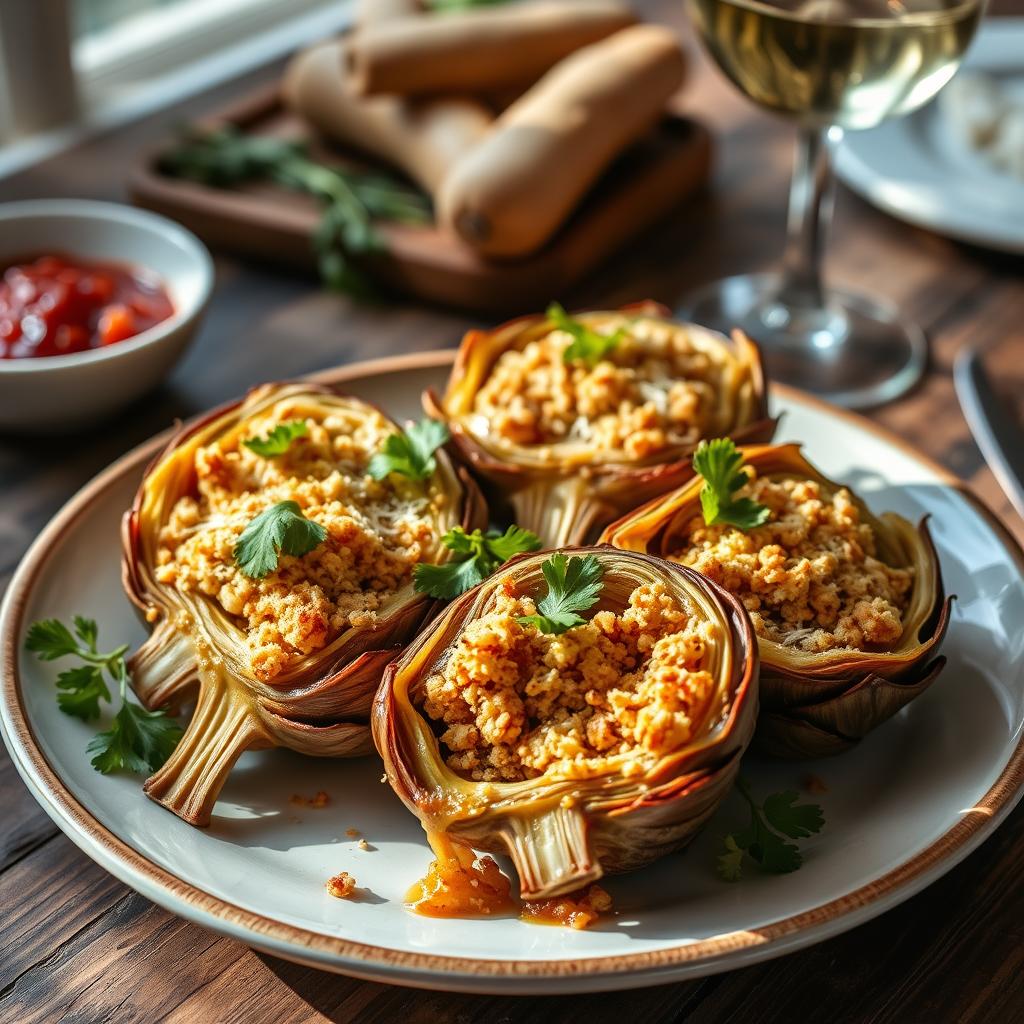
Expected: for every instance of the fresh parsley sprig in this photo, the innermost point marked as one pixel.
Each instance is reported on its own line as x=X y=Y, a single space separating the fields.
x=279 y=530
x=352 y=200
x=587 y=345
x=720 y=463
x=574 y=585
x=277 y=440
x=474 y=557
x=410 y=453
x=138 y=740
x=762 y=840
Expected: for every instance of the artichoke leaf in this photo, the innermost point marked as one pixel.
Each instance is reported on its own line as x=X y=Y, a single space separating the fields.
x=563 y=830
x=818 y=703
x=319 y=703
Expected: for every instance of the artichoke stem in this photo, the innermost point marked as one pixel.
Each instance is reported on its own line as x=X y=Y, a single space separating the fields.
x=562 y=512
x=551 y=852
x=223 y=726
x=164 y=667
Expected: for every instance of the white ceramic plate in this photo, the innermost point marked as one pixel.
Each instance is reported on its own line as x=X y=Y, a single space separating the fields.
x=917 y=796
x=913 y=168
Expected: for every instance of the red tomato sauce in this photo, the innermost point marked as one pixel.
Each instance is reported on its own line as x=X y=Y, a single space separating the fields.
x=55 y=305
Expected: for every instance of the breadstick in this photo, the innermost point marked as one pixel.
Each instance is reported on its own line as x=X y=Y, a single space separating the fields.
x=370 y=12
x=423 y=139
x=510 y=194
x=479 y=50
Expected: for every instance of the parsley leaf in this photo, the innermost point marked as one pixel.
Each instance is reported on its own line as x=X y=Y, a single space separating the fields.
x=474 y=557
x=720 y=463
x=785 y=815
x=279 y=530
x=278 y=440
x=138 y=740
x=410 y=453
x=730 y=863
x=761 y=840
x=82 y=689
x=587 y=345
x=574 y=584
x=50 y=639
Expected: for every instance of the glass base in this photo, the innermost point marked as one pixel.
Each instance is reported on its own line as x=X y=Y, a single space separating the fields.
x=855 y=352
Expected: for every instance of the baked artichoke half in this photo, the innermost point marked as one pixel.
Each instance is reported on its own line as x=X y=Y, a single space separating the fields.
x=576 y=420
x=597 y=749
x=278 y=582
x=848 y=606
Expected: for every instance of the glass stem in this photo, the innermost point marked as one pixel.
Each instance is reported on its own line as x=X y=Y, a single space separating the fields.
x=810 y=210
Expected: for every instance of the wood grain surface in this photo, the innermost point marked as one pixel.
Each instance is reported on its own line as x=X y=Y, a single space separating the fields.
x=76 y=945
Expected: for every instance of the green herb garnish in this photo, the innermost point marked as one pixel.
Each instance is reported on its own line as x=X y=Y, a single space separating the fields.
x=138 y=740
x=574 y=584
x=278 y=440
x=279 y=530
x=720 y=464
x=410 y=453
x=352 y=200
x=780 y=815
x=474 y=557
x=587 y=346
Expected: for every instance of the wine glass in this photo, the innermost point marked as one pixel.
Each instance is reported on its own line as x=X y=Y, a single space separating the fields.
x=830 y=65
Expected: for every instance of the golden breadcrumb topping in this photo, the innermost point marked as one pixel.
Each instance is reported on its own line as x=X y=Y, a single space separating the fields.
x=655 y=389
x=810 y=577
x=517 y=703
x=377 y=532
x=342 y=886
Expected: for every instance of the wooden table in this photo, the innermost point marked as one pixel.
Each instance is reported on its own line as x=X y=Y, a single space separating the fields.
x=77 y=945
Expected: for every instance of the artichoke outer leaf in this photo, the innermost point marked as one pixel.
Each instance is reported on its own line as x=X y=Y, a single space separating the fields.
x=195 y=653
x=563 y=833
x=815 y=705
x=561 y=492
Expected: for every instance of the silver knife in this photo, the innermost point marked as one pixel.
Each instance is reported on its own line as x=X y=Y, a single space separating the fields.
x=998 y=435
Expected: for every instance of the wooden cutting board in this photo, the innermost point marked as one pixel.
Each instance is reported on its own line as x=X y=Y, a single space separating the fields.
x=271 y=224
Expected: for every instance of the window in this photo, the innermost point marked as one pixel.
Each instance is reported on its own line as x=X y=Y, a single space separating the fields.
x=77 y=64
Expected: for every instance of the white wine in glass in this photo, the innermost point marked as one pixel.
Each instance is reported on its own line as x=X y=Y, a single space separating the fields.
x=829 y=65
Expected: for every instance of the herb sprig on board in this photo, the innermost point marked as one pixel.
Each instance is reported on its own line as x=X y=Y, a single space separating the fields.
x=352 y=200
x=137 y=740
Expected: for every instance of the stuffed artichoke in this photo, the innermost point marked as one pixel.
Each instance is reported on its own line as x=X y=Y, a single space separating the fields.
x=848 y=607
x=576 y=420
x=577 y=744
x=273 y=558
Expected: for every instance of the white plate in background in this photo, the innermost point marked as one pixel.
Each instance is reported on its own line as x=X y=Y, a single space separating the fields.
x=915 y=168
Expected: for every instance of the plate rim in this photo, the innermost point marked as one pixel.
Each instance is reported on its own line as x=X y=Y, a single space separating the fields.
x=379 y=963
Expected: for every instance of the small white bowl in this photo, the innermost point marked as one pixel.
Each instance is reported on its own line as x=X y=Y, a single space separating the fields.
x=53 y=393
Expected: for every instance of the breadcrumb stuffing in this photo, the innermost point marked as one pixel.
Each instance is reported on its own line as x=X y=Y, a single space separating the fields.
x=516 y=703
x=342 y=885
x=810 y=577
x=377 y=532
x=319 y=800
x=655 y=389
